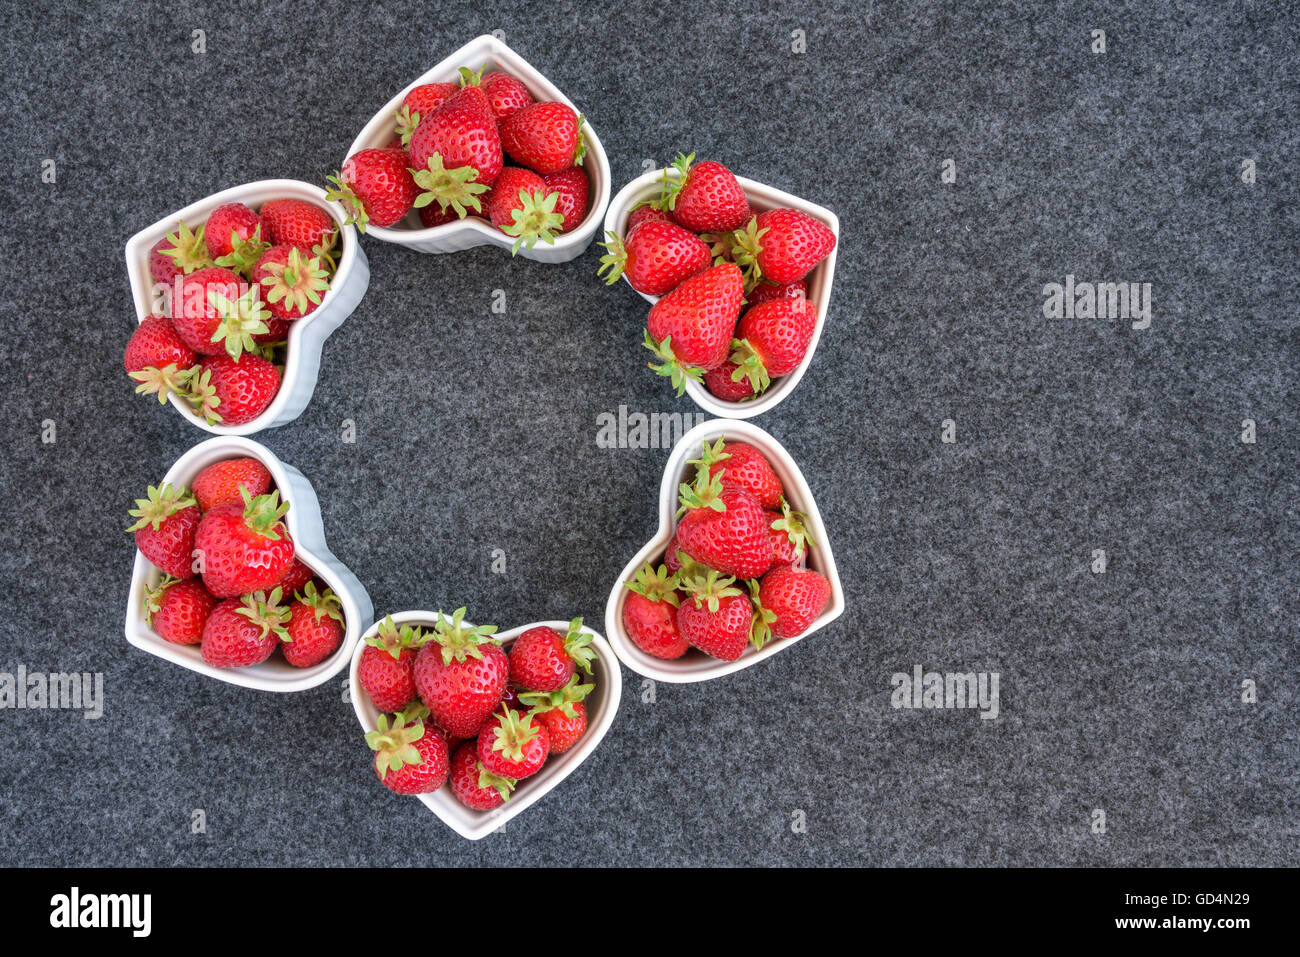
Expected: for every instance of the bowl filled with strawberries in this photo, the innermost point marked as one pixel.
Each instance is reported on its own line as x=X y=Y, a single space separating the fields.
x=481 y=149
x=740 y=569
x=235 y=296
x=232 y=576
x=477 y=724
x=738 y=275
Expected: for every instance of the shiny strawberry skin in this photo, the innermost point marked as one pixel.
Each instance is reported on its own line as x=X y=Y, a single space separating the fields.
x=506 y=94
x=734 y=541
x=647 y=214
x=779 y=332
x=783 y=550
x=162 y=268
x=382 y=182
x=220 y=482
x=464 y=132
x=230 y=640
x=461 y=695
x=183 y=610
x=464 y=780
x=427 y=97
x=796 y=596
x=573 y=186
x=427 y=776
x=284 y=309
x=538 y=662
x=661 y=256
x=295 y=579
x=769 y=292
x=700 y=316
x=237 y=559
x=652 y=626
x=670 y=554
x=155 y=343
x=503 y=198
x=747 y=468
x=245 y=386
x=194 y=317
x=232 y=218
x=793 y=244
x=711 y=200
x=534 y=751
x=171 y=545
x=434 y=215
x=723 y=633
x=296 y=222
x=389 y=681
x=542 y=136
x=563 y=730
x=720 y=383
x=312 y=639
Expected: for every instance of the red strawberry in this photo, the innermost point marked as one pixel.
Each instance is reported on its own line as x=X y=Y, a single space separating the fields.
x=157 y=359
x=178 y=610
x=296 y=222
x=691 y=327
x=656 y=257
x=234 y=391
x=475 y=786
x=650 y=613
x=461 y=673
x=235 y=236
x=296 y=579
x=546 y=137
x=375 y=187
x=277 y=333
x=562 y=713
x=293 y=282
x=743 y=466
x=218 y=312
x=767 y=292
x=790 y=537
x=705 y=197
x=671 y=560
x=648 y=213
x=166 y=524
x=410 y=757
x=513 y=745
x=724 y=527
x=772 y=339
x=542 y=659
x=573 y=187
x=315 y=627
x=722 y=383
x=244 y=631
x=456 y=153
x=794 y=597
x=179 y=253
x=220 y=483
x=244 y=546
x=519 y=205
x=434 y=215
x=418 y=103
x=505 y=94
x=387 y=667
x=782 y=245
x=716 y=617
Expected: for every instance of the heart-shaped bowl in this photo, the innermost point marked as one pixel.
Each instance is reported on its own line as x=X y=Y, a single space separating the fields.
x=602 y=704
x=470 y=232
x=695 y=665
x=761 y=198
x=308 y=533
x=306 y=335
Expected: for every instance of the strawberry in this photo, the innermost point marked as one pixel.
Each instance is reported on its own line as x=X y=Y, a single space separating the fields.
x=419 y=102
x=790 y=536
x=233 y=391
x=387 y=667
x=546 y=137
x=434 y=215
x=293 y=282
x=743 y=466
x=723 y=527
x=716 y=617
x=519 y=206
x=650 y=613
x=211 y=314
x=456 y=152
x=672 y=555
x=691 y=327
x=782 y=246
x=542 y=659
x=375 y=187
x=167 y=522
x=573 y=186
x=768 y=291
x=177 y=610
x=704 y=197
x=296 y=222
x=460 y=673
x=244 y=546
x=506 y=94
x=410 y=757
x=722 y=382
x=236 y=236
x=221 y=483
x=315 y=627
x=244 y=631
x=793 y=597
x=562 y=713
x=646 y=213
x=656 y=257
x=772 y=339
x=157 y=359
x=277 y=334
x=475 y=786
x=179 y=253
x=296 y=579
x=513 y=745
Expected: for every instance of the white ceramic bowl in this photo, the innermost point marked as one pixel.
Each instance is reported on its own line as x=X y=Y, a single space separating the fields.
x=470 y=232
x=306 y=335
x=695 y=665
x=761 y=198
x=602 y=704
x=308 y=533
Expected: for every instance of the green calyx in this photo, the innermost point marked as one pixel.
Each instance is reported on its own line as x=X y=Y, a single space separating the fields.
x=711 y=455
x=187 y=251
x=580 y=150
x=708 y=587
x=760 y=631
x=749 y=365
x=404 y=123
x=449 y=187
x=615 y=259
x=535 y=218
x=160 y=503
x=394 y=745
x=458 y=640
x=263 y=513
x=153 y=597
x=577 y=645
x=562 y=700
x=512 y=733
x=722 y=246
x=706 y=492
x=340 y=192
x=163 y=382
x=394 y=640
x=244 y=253
x=655 y=584
x=746 y=245
x=324 y=604
x=267 y=613
x=241 y=319
x=671 y=368
x=202 y=396
x=298 y=282
x=794 y=524
x=503 y=786
x=469 y=77
x=671 y=186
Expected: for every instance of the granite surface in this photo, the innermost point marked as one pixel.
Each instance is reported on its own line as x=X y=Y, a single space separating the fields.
x=1120 y=692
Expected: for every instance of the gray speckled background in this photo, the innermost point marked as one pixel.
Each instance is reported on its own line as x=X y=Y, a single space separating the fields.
x=1119 y=691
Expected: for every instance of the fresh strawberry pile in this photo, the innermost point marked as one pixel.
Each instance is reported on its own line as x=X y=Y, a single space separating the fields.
x=231 y=582
x=234 y=287
x=735 y=571
x=466 y=710
x=447 y=161
x=734 y=312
